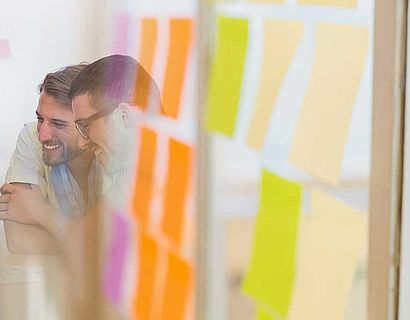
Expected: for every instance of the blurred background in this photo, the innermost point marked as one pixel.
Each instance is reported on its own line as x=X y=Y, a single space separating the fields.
x=270 y=96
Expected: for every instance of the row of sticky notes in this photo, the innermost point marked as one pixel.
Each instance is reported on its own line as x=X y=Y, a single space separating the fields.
x=165 y=279
x=149 y=249
x=178 y=181
x=178 y=54
x=322 y=130
x=156 y=296
x=302 y=267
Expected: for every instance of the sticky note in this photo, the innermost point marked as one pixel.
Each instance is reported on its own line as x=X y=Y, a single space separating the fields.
x=121 y=33
x=337 y=3
x=328 y=257
x=144 y=92
x=5 y=51
x=322 y=129
x=147 y=267
x=226 y=75
x=270 y=275
x=265 y=313
x=180 y=39
x=148 y=45
x=144 y=183
x=119 y=246
x=176 y=189
x=178 y=288
x=281 y=39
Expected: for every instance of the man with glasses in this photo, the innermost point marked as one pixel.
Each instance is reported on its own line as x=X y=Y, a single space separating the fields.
x=49 y=161
x=106 y=97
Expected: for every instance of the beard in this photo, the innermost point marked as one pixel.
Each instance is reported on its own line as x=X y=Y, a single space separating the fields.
x=65 y=154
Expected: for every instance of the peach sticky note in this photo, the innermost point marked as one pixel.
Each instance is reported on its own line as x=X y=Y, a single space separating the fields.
x=180 y=38
x=144 y=183
x=121 y=33
x=147 y=262
x=270 y=275
x=148 y=45
x=176 y=189
x=336 y=3
x=120 y=241
x=5 y=51
x=178 y=288
x=281 y=39
x=328 y=258
x=322 y=130
x=226 y=75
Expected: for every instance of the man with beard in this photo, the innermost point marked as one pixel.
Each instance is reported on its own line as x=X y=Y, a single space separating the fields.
x=49 y=160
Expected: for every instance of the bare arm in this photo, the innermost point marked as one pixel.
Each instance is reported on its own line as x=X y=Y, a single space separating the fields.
x=29 y=238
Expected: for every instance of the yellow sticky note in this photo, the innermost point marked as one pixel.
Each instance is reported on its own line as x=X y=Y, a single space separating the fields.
x=328 y=257
x=226 y=75
x=322 y=130
x=337 y=3
x=280 y=43
x=270 y=275
x=264 y=313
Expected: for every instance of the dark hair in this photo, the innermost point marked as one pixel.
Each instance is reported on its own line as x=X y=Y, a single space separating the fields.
x=115 y=79
x=57 y=84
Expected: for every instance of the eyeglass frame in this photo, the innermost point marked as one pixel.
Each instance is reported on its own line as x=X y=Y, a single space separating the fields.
x=81 y=124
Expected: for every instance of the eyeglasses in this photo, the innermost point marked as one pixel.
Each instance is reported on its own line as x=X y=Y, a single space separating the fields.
x=82 y=124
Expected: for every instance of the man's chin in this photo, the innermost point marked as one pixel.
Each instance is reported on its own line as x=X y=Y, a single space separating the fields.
x=53 y=162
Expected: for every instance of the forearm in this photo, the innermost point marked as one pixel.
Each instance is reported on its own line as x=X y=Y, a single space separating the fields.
x=29 y=239
x=57 y=224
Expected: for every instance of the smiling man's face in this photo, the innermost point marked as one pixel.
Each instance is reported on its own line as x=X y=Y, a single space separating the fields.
x=56 y=131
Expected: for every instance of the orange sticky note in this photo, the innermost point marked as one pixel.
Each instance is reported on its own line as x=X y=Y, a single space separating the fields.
x=147 y=261
x=149 y=35
x=180 y=38
x=176 y=189
x=178 y=288
x=143 y=91
x=145 y=174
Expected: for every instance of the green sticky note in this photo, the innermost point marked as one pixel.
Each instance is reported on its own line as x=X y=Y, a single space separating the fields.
x=270 y=275
x=263 y=314
x=226 y=75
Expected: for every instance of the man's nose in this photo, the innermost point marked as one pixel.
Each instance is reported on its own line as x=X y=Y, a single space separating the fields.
x=44 y=132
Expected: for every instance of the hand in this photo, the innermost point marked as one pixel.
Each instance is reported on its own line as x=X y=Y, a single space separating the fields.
x=22 y=205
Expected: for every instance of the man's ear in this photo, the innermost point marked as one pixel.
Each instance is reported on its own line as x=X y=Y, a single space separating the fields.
x=124 y=113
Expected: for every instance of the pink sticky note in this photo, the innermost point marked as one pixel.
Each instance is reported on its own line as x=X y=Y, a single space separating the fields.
x=115 y=263
x=121 y=34
x=5 y=51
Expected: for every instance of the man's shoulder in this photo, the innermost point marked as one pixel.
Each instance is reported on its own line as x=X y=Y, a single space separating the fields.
x=30 y=128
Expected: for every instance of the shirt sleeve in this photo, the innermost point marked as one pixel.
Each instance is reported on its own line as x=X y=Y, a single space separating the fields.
x=26 y=163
